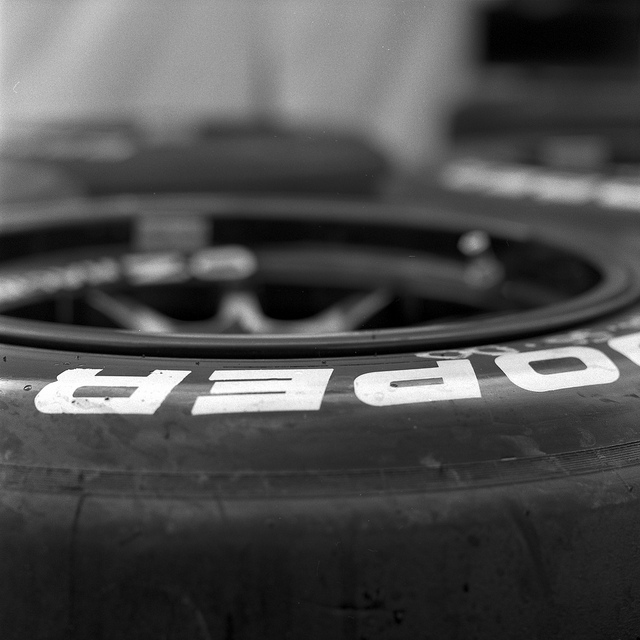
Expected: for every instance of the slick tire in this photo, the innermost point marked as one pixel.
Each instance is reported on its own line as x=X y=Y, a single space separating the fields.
x=574 y=168
x=109 y=158
x=473 y=477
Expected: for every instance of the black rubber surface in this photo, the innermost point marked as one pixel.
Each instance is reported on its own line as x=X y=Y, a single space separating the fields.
x=461 y=491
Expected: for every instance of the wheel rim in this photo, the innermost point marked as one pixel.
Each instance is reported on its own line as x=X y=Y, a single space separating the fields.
x=262 y=278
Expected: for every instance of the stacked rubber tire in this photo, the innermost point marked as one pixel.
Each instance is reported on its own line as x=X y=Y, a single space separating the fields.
x=374 y=485
x=98 y=158
x=578 y=165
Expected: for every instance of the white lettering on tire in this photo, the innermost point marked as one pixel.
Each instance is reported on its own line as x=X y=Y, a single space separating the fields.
x=83 y=391
x=599 y=369
x=244 y=391
x=514 y=180
x=628 y=346
x=449 y=380
x=149 y=392
x=461 y=354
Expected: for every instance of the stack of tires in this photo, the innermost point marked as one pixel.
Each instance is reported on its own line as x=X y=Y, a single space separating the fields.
x=461 y=462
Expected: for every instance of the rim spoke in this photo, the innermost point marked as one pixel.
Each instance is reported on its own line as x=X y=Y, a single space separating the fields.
x=241 y=312
x=346 y=315
x=350 y=313
x=130 y=314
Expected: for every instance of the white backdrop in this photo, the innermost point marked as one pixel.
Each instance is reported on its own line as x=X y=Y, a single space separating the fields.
x=387 y=68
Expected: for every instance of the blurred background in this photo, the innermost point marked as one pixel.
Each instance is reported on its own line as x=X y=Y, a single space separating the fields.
x=395 y=86
x=386 y=69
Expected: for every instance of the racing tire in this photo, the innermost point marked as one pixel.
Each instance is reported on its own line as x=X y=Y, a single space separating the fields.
x=108 y=158
x=472 y=474
x=579 y=164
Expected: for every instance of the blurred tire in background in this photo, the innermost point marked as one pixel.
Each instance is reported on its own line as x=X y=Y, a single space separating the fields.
x=106 y=158
x=552 y=132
